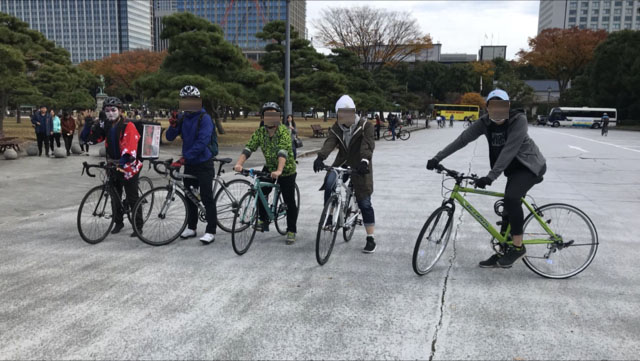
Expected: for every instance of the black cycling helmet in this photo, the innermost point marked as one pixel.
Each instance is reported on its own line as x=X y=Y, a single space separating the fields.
x=112 y=102
x=270 y=106
x=189 y=91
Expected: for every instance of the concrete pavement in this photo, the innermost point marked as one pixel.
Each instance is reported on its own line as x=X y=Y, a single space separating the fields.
x=62 y=298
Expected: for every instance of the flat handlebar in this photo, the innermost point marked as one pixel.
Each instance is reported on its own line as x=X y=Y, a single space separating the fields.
x=459 y=177
x=341 y=170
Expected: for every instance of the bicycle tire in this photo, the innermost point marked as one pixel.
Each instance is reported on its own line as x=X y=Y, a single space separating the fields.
x=225 y=206
x=156 y=202
x=387 y=135
x=244 y=225
x=404 y=134
x=324 y=245
x=144 y=185
x=443 y=217
x=105 y=212
x=575 y=231
x=281 y=211
x=347 y=233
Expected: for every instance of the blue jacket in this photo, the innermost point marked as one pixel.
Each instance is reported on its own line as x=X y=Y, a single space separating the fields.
x=195 y=147
x=46 y=124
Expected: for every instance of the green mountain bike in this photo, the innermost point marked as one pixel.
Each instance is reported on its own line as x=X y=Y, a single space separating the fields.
x=561 y=239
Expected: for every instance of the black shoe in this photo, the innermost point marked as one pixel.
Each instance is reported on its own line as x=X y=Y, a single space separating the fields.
x=117 y=228
x=511 y=256
x=68 y=153
x=491 y=262
x=133 y=234
x=370 y=247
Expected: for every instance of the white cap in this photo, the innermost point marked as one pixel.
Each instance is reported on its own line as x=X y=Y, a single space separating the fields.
x=345 y=101
x=498 y=93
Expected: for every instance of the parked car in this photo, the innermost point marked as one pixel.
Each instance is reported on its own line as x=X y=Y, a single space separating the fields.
x=541 y=120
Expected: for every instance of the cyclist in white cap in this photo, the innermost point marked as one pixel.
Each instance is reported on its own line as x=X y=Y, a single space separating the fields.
x=510 y=151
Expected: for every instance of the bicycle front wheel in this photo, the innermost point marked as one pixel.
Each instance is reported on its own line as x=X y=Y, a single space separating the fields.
x=327 y=231
x=95 y=215
x=168 y=214
x=351 y=218
x=387 y=135
x=281 y=212
x=244 y=222
x=144 y=185
x=432 y=240
x=227 y=200
x=568 y=256
x=404 y=134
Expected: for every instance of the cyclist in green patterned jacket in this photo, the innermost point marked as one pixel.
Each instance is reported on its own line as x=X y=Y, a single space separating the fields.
x=275 y=141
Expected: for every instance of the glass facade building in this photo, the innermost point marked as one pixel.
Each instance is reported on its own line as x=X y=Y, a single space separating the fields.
x=240 y=19
x=609 y=15
x=88 y=29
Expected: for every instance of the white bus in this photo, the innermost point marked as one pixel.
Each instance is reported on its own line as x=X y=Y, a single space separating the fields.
x=581 y=117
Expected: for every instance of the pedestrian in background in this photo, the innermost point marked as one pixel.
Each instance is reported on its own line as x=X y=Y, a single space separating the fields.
x=56 y=130
x=42 y=123
x=451 y=120
x=291 y=125
x=393 y=122
x=86 y=130
x=68 y=128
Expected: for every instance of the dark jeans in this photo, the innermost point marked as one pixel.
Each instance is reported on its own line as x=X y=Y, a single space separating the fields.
x=205 y=174
x=393 y=132
x=288 y=190
x=83 y=144
x=131 y=192
x=68 y=139
x=56 y=137
x=42 y=138
x=368 y=215
x=518 y=184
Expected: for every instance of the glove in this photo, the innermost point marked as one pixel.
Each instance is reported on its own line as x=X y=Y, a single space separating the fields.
x=318 y=165
x=179 y=163
x=483 y=182
x=432 y=164
x=363 y=167
x=173 y=122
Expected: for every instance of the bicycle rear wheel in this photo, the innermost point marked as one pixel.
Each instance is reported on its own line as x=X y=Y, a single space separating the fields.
x=404 y=134
x=326 y=236
x=281 y=212
x=144 y=185
x=567 y=257
x=387 y=135
x=227 y=203
x=168 y=214
x=350 y=211
x=244 y=222
x=432 y=240
x=95 y=215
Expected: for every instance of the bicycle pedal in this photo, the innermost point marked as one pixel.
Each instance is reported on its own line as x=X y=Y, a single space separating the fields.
x=359 y=222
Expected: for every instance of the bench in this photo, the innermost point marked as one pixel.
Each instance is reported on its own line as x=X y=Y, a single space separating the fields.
x=318 y=131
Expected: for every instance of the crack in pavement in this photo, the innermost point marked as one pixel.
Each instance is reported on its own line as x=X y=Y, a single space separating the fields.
x=434 y=341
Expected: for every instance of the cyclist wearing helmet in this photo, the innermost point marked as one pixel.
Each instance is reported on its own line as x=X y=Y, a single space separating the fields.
x=510 y=151
x=605 y=125
x=121 y=141
x=275 y=140
x=353 y=136
x=198 y=132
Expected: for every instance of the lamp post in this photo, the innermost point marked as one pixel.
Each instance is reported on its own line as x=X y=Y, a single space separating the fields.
x=548 y=98
x=287 y=66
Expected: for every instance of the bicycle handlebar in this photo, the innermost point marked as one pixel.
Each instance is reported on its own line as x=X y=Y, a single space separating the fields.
x=459 y=177
x=254 y=173
x=166 y=163
x=346 y=170
x=103 y=165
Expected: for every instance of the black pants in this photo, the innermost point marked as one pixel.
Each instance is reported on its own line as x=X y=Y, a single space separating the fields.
x=377 y=128
x=205 y=174
x=68 y=139
x=519 y=182
x=131 y=192
x=56 y=137
x=288 y=190
x=83 y=144
x=42 y=138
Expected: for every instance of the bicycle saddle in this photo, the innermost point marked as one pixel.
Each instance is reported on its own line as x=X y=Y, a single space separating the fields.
x=223 y=160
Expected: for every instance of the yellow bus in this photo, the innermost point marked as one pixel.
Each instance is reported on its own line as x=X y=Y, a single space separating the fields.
x=459 y=111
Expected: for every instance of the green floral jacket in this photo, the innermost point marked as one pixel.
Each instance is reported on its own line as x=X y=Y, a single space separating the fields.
x=273 y=147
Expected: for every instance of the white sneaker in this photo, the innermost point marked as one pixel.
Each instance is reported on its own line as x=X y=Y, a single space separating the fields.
x=208 y=238
x=188 y=233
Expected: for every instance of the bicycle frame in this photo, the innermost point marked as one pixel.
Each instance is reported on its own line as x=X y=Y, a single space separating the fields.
x=346 y=186
x=260 y=197
x=457 y=196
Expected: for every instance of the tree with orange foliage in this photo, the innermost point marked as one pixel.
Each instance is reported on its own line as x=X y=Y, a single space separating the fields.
x=562 y=53
x=121 y=70
x=472 y=99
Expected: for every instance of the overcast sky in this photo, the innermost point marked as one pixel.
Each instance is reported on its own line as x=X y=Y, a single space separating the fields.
x=460 y=26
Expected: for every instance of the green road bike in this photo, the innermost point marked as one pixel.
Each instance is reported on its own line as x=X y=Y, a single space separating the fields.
x=561 y=239
x=245 y=220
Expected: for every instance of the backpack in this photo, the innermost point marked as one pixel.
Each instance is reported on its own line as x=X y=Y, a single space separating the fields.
x=213 y=143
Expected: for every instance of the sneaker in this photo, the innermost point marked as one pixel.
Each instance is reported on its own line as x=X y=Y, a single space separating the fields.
x=262 y=226
x=511 y=256
x=188 y=233
x=491 y=262
x=133 y=234
x=117 y=228
x=291 y=237
x=208 y=238
x=68 y=153
x=370 y=247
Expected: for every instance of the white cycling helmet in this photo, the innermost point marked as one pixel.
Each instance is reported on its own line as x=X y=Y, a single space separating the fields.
x=498 y=93
x=189 y=91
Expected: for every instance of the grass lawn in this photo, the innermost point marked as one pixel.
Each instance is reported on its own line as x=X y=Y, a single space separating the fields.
x=237 y=132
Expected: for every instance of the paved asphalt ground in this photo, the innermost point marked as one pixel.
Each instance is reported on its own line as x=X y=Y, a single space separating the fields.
x=63 y=299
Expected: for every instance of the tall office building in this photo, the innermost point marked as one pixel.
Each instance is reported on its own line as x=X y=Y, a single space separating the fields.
x=610 y=15
x=240 y=19
x=88 y=29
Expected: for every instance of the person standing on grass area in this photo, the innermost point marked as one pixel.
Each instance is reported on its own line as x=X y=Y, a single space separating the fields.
x=56 y=130
x=291 y=124
x=43 y=125
x=68 y=125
